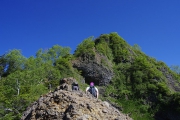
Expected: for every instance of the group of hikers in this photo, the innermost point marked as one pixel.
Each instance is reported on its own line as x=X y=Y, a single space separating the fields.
x=91 y=89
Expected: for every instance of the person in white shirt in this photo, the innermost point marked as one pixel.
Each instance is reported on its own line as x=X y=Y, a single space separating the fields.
x=93 y=90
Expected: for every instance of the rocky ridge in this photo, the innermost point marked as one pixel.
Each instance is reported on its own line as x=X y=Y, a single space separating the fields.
x=65 y=104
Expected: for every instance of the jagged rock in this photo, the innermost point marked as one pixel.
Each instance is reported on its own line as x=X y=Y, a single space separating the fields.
x=65 y=104
x=66 y=83
x=97 y=69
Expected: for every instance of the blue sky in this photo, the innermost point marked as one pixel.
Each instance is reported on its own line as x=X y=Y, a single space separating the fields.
x=29 y=25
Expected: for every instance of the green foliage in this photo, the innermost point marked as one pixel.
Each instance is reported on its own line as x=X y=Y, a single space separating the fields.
x=176 y=101
x=102 y=46
x=14 y=61
x=134 y=108
x=139 y=84
x=163 y=89
x=64 y=65
x=103 y=38
x=53 y=53
x=136 y=47
x=138 y=78
x=114 y=47
x=152 y=87
x=25 y=79
x=2 y=65
x=119 y=48
x=85 y=48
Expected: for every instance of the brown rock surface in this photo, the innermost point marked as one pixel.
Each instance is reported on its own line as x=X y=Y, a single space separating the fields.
x=64 y=104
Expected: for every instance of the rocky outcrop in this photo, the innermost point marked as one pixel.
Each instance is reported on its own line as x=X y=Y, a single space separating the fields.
x=97 y=69
x=172 y=83
x=64 y=104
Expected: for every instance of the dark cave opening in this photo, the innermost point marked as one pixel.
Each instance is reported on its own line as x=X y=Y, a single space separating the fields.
x=88 y=80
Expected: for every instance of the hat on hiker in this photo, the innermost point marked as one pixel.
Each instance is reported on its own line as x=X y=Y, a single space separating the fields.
x=91 y=84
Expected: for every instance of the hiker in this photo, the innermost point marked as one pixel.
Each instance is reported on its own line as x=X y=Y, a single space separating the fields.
x=75 y=86
x=93 y=90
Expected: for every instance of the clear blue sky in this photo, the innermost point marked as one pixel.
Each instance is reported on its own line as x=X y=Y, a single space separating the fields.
x=33 y=24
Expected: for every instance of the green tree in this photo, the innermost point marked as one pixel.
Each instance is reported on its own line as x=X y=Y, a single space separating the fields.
x=52 y=54
x=119 y=48
x=85 y=48
x=136 y=47
x=2 y=65
x=14 y=61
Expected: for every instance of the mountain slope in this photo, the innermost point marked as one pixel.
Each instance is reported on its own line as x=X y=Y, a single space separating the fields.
x=137 y=78
x=137 y=84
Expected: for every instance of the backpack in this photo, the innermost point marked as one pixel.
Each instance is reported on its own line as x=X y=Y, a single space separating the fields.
x=75 y=87
x=93 y=91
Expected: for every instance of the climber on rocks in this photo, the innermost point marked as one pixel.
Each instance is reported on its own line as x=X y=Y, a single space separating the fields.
x=93 y=90
x=75 y=86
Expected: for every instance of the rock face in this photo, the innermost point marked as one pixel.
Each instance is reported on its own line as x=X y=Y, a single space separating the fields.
x=64 y=104
x=97 y=69
x=172 y=83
